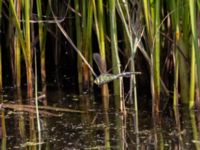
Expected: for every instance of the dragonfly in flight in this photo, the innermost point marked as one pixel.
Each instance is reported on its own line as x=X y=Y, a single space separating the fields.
x=107 y=77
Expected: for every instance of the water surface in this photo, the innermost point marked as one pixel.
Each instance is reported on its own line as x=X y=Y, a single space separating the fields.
x=95 y=128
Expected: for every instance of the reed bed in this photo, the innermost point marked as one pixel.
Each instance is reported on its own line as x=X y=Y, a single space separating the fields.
x=126 y=34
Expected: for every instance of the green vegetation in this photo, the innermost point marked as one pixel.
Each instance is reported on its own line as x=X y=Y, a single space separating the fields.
x=127 y=35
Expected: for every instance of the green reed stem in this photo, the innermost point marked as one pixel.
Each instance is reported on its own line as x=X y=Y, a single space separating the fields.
x=192 y=78
x=152 y=11
x=176 y=53
x=149 y=15
x=195 y=128
x=101 y=29
x=42 y=40
x=175 y=89
x=28 y=48
x=100 y=15
x=146 y=5
x=114 y=48
x=18 y=61
x=156 y=56
x=17 y=23
x=87 y=37
x=184 y=52
x=175 y=26
x=17 y=50
x=78 y=39
x=192 y=8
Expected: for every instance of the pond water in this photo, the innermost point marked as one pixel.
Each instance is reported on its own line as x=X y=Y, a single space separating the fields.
x=92 y=128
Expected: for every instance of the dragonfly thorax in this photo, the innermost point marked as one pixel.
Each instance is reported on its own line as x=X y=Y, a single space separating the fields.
x=105 y=78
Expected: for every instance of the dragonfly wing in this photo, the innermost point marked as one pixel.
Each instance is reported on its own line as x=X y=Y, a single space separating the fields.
x=99 y=62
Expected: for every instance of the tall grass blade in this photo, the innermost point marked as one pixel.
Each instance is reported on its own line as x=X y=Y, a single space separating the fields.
x=175 y=25
x=87 y=40
x=28 y=48
x=184 y=53
x=17 y=24
x=156 y=56
x=42 y=41
x=192 y=8
x=102 y=51
x=78 y=39
x=192 y=79
x=114 y=48
x=17 y=50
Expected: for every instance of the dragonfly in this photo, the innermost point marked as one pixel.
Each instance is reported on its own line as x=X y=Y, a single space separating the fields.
x=104 y=77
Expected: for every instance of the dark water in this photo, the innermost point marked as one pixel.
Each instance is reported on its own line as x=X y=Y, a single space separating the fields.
x=95 y=128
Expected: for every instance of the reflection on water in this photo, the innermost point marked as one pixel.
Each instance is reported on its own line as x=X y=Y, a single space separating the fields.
x=94 y=128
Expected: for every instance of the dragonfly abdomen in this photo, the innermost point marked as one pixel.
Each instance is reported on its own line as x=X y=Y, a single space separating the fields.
x=127 y=74
x=105 y=78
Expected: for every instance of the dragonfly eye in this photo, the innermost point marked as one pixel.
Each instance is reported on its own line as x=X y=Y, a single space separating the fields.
x=96 y=81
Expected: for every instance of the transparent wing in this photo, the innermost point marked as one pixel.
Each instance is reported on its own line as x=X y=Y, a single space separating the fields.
x=99 y=62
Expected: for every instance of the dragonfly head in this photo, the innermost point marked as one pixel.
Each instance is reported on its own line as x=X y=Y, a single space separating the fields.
x=96 y=81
